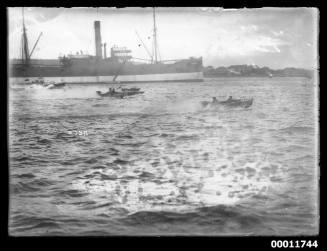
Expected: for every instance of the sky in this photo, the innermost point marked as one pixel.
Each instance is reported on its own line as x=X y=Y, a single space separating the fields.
x=272 y=37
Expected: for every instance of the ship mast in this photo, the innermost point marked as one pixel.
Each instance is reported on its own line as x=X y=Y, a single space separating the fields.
x=25 y=50
x=155 y=45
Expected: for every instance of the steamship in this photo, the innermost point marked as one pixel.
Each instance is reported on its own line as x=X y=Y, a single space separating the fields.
x=119 y=66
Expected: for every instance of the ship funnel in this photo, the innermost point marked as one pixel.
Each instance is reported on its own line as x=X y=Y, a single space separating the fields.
x=98 y=51
x=105 y=50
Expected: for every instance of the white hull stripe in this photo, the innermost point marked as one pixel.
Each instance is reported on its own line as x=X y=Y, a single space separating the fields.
x=123 y=78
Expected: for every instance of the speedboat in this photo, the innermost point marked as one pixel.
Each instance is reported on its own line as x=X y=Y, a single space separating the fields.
x=111 y=94
x=131 y=91
x=244 y=103
x=121 y=94
x=56 y=85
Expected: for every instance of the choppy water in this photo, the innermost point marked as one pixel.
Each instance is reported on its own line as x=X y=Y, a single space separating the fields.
x=159 y=164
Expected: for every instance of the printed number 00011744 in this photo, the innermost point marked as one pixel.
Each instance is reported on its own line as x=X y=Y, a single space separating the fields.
x=294 y=244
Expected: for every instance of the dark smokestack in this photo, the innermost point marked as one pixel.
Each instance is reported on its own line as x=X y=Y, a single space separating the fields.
x=105 y=50
x=98 y=51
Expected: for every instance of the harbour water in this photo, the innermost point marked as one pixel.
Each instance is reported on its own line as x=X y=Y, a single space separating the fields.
x=159 y=164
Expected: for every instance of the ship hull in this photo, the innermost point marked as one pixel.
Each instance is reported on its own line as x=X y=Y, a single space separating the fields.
x=105 y=71
x=166 y=77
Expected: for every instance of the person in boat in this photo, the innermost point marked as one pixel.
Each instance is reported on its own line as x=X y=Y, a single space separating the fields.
x=214 y=100
x=230 y=98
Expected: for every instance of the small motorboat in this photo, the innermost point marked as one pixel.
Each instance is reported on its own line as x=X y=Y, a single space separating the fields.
x=130 y=93
x=111 y=94
x=120 y=94
x=56 y=85
x=133 y=89
x=244 y=103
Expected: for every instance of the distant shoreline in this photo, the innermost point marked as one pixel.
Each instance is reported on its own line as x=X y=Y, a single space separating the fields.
x=249 y=77
x=255 y=71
